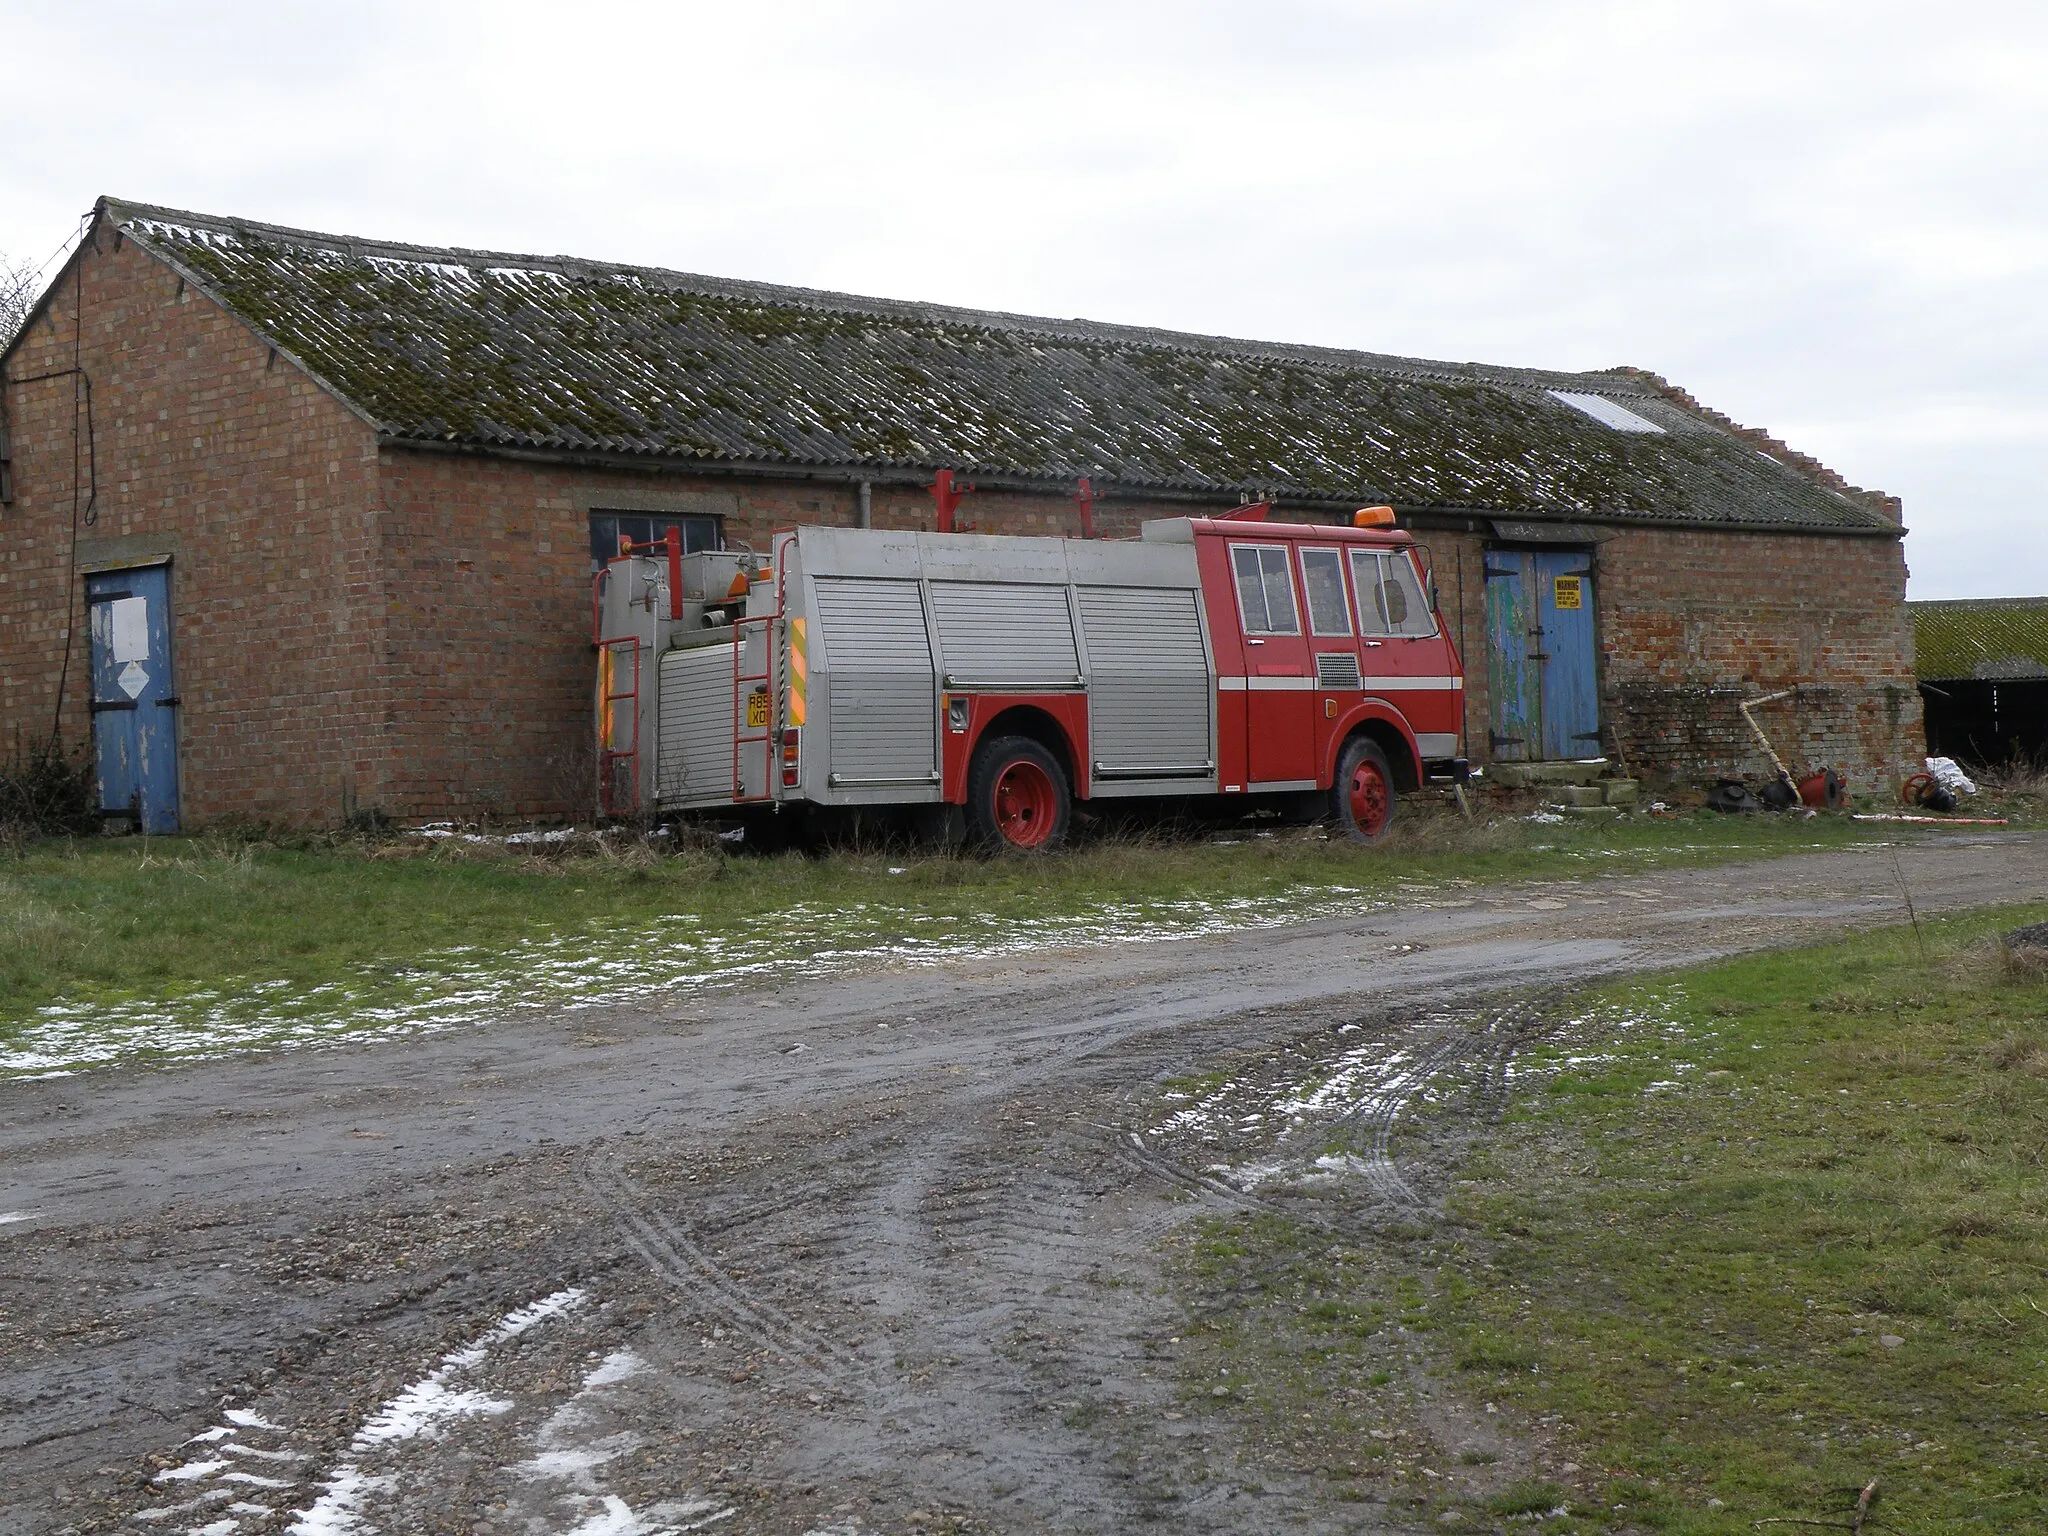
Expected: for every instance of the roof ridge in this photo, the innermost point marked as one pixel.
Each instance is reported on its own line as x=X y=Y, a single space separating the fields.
x=1622 y=382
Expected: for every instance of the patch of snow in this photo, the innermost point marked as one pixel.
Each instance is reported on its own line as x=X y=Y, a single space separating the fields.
x=1248 y=1176
x=191 y=1471
x=418 y=1412
x=465 y=986
x=164 y=1512
x=617 y=1518
x=235 y=1448
x=422 y=1408
x=566 y=1456
x=254 y=1481
x=617 y=1366
x=338 y=1510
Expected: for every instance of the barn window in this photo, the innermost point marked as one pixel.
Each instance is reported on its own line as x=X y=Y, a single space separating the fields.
x=1322 y=578
x=607 y=528
x=1265 y=593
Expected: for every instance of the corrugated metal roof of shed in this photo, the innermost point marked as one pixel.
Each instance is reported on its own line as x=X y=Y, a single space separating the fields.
x=1985 y=637
x=557 y=355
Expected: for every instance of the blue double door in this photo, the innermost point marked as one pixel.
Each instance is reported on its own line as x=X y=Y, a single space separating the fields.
x=134 y=696
x=1541 y=672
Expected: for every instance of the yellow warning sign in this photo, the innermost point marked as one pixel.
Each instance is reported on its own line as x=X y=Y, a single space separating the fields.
x=1569 y=591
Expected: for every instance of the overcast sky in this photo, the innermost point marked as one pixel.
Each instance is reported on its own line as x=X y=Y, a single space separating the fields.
x=1830 y=220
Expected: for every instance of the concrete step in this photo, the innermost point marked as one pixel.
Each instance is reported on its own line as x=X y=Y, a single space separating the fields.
x=1523 y=775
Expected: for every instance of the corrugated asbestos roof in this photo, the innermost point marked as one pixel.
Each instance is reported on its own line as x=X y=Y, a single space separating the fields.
x=506 y=353
x=1989 y=637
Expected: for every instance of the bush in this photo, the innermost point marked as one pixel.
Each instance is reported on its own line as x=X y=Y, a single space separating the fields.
x=45 y=791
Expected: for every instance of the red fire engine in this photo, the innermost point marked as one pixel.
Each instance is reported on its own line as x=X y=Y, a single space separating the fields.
x=1232 y=659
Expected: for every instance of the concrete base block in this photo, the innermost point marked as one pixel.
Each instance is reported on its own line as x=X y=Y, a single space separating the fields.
x=1523 y=775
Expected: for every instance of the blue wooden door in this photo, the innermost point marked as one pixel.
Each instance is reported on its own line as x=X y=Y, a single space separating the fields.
x=1513 y=730
x=134 y=696
x=1563 y=593
x=1540 y=656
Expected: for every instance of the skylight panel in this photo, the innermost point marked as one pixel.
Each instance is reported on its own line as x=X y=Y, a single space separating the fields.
x=1606 y=412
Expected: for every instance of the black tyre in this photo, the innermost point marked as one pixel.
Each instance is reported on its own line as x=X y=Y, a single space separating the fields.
x=1018 y=800
x=1362 y=797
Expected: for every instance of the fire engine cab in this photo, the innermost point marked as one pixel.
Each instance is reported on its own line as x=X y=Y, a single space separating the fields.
x=1233 y=659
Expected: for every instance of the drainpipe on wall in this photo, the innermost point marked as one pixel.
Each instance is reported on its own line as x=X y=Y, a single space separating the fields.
x=866 y=518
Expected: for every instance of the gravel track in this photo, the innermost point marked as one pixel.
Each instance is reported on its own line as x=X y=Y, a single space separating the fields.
x=873 y=1253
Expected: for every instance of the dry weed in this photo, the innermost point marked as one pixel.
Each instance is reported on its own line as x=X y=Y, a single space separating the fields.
x=2024 y=777
x=2025 y=953
x=2026 y=1054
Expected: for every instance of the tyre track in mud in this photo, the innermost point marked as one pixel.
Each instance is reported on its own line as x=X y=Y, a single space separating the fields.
x=912 y=1267
x=1456 y=1054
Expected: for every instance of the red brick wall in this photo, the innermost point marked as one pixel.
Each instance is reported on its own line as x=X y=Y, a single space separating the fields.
x=254 y=480
x=1692 y=623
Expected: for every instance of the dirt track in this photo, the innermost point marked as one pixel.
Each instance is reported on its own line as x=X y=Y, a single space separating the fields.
x=870 y=1255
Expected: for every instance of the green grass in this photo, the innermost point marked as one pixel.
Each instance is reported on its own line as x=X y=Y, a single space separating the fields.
x=1820 y=1257
x=1781 y=1229
x=188 y=921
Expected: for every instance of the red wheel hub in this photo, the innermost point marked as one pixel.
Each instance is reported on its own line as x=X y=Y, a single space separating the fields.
x=1026 y=804
x=1372 y=801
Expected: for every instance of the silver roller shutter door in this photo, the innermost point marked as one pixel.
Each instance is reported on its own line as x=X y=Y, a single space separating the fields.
x=878 y=666
x=1150 y=696
x=695 y=743
x=1011 y=634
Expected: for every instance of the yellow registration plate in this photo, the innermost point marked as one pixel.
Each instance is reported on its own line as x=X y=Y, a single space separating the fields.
x=757 y=710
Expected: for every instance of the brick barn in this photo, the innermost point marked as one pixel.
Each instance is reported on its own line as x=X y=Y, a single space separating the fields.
x=296 y=525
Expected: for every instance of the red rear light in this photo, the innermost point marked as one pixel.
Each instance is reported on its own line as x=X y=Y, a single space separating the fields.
x=792 y=757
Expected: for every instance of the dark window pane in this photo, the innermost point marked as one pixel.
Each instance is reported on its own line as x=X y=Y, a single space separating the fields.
x=1322 y=573
x=1365 y=581
x=1251 y=591
x=1279 y=593
x=604 y=537
x=607 y=528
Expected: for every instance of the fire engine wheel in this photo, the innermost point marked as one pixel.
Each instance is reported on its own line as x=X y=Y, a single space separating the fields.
x=1362 y=798
x=1017 y=797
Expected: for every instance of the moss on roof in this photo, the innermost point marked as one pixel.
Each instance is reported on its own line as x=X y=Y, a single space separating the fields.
x=554 y=355
x=1989 y=637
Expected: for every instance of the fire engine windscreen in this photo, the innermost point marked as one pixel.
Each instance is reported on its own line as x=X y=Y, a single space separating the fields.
x=1390 y=597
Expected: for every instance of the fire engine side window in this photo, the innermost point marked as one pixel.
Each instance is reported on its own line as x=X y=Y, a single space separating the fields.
x=1365 y=581
x=1265 y=594
x=1322 y=577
